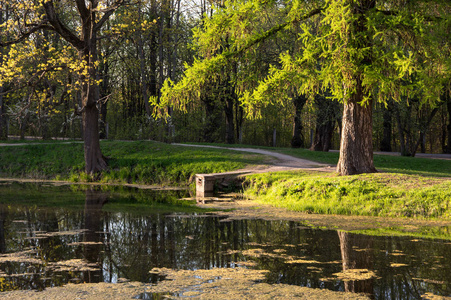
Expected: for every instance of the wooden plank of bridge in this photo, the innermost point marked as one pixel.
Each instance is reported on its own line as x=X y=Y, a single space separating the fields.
x=205 y=183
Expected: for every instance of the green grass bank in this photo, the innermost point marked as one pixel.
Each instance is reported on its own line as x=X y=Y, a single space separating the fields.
x=380 y=194
x=139 y=162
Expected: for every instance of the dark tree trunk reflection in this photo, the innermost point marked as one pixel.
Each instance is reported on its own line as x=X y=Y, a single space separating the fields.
x=3 y=215
x=93 y=222
x=356 y=253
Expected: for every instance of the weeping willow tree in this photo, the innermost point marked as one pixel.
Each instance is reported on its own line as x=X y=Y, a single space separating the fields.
x=360 y=51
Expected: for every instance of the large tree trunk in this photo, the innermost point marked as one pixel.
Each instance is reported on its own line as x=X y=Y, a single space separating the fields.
x=356 y=147
x=94 y=160
x=86 y=44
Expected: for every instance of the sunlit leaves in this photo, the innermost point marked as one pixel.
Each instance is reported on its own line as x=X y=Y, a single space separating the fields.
x=402 y=51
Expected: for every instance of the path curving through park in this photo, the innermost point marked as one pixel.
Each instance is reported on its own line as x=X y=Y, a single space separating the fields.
x=279 y=162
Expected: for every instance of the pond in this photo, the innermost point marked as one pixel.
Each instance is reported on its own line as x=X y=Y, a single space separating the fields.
x=53 y=235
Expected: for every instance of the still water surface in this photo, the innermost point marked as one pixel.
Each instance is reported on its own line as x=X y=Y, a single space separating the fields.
x=50 y=236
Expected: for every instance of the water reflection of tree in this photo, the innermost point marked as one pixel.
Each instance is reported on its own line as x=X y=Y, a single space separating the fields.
x=357 y=253
x=3 y=215
x=93 y=223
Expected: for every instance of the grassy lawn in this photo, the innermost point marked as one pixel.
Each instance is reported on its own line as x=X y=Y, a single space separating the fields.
x=143 y=162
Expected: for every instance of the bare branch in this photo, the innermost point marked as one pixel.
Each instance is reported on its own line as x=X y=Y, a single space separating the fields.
x=82 y=9
x=107 y=13
x=26 y=34
x=59 y=27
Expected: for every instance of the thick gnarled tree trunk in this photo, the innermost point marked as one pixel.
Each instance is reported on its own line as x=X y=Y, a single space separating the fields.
x=356 y=146
x=94 y=159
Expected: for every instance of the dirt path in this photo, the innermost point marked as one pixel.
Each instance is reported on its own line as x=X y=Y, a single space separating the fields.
x=280 y=162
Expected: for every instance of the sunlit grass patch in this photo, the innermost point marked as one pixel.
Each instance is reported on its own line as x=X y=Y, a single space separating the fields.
x=382 y=194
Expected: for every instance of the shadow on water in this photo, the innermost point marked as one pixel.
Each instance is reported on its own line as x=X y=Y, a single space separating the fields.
x=114 y=236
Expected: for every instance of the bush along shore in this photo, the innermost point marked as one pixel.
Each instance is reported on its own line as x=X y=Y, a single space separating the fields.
x=406 y=187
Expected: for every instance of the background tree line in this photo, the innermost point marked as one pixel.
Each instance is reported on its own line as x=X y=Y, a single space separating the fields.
x=139 y=45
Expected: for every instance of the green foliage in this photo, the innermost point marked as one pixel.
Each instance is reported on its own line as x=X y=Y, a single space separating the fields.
x=386 y=47
x=369 y=195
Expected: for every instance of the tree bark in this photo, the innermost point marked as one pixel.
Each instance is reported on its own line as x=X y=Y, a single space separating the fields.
x=94 y=160
x=356 y=147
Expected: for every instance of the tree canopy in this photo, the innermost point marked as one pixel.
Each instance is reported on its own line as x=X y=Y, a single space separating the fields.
x=360 y=51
